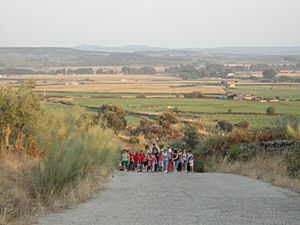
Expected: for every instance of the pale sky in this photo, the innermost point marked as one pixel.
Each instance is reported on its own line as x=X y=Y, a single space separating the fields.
x=161 y=23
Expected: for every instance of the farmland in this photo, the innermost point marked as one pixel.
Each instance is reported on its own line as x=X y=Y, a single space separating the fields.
x=166 y=93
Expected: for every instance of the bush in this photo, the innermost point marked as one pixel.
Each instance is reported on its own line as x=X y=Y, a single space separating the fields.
x=225 y=125
x=134 y=140
x=238 y=136
x=166 y=119
x=194 y=94
x=270 y=134
x=140 y=96
x=72 y=157
x=191 y=137
x=269 y=73
x=293 y=162
x=233 y=153
x=229 y=110
x=214 y=146
x=243 y=124
x=113 y=117
x=271 y=110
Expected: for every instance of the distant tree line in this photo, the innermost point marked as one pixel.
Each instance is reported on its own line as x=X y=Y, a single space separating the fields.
x=188 y=72
x=106 y=71
x=192 y=71
x=141 y=70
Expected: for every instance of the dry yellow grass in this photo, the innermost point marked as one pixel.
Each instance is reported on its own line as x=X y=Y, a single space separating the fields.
x=116 y=83
x=131 y=88
x=266 y=167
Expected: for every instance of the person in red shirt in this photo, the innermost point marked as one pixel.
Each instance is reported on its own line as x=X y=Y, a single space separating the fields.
x=136 y=159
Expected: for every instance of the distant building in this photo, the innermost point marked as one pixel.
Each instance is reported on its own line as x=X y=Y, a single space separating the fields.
x=123 y=80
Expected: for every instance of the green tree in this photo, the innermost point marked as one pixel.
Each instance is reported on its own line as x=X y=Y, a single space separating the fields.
x=271 y=110
x=113 y=117
x=166 y=119
x=20 y=111
x=191 y=137
x=269 y=73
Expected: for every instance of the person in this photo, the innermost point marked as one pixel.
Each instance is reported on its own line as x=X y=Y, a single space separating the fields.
x=165 y=158
x=142 y=160
x=180 y=164
x=170 y=162
x=136 y=159
x=125 y=160
x=191 y=161
x=131 y=160
x=160 y=161
x=184 y=160
x=155 y=152
x=152 y=162
x=175 y=159
x=146 y=158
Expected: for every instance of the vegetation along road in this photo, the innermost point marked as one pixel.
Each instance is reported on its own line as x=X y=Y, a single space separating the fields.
x=208 y=199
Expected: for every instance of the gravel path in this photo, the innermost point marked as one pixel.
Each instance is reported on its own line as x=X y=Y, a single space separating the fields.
x=185 y=199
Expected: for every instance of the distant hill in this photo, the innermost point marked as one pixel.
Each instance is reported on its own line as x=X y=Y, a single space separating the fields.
x=122 y=49
x=251 y=50
x=221 y=50
x=135 y=55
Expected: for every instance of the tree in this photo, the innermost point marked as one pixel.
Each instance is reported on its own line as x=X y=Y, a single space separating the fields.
x=166 y=119
x=20 y=111
x=113 y=117
x=191 y=137
x=269 y=73
x=225 y=125
x=271 y=110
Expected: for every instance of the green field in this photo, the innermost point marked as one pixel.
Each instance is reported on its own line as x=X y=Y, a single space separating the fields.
x=209 y=110
x=208 y=105
x=282 y=91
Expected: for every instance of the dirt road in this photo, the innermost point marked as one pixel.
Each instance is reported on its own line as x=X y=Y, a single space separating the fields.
x=185 y=199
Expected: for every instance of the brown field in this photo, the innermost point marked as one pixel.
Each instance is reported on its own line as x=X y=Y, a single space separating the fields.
x=114 y=83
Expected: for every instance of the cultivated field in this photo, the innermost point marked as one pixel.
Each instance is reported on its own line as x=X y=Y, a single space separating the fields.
x=161 y=91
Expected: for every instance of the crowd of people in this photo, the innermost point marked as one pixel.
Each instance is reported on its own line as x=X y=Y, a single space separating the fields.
x=157 y=160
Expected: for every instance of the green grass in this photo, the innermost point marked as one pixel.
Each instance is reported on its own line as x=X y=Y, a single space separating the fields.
x=193 y=105
x=255 y=121
x=287 y=92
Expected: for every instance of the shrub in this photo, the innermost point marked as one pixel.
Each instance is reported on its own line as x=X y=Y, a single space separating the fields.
x=134 y=140
x=191 y=137
x=271 y=110
x=293 y=162
x=177 y=143
x=233 y=153
x=166 y=119
x=229 y=110
x=194 y=94
x=269 y=73
x=238 y=136
x=113 y=117
x=72 y=157
x=270 y=134
x=213 y=146
x=289 y=126
x=243 y=124
x=225 y=125
x=140 y=96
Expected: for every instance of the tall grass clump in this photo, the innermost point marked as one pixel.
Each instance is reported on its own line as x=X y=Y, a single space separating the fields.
x=73 y=157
